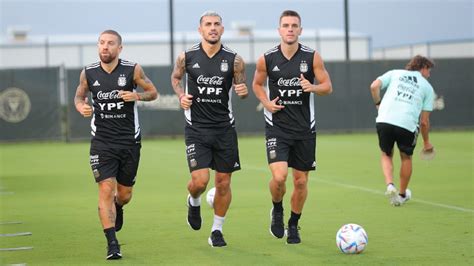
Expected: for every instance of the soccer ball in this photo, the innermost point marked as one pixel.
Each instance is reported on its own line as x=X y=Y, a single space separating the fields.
x=210 y=197
x=351 y=239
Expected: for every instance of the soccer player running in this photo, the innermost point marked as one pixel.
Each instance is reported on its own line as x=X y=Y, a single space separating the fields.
x=290 y=70
x=404 y=108
x=116 y=139
x=212 y=70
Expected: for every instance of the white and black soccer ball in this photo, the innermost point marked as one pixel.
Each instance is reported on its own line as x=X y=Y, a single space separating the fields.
x=210 y=197
x=351 y=239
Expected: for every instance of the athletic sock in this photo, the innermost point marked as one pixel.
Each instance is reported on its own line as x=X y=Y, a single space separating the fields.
x=294 y=219
x=195 y=202
x=110 y=234
x=116 y=202
x=218 y=222
x=278 y=206
x=402 y=195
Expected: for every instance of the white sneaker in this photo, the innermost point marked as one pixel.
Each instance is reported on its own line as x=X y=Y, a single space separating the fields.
x=406 y=198
x=392 y=195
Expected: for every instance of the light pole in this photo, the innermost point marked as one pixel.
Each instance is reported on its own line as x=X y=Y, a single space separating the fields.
x=346 y=28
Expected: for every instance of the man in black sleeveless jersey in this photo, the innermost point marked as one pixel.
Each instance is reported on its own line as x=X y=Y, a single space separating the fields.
x=116 y=138
x=212 y=70
x=291 y=69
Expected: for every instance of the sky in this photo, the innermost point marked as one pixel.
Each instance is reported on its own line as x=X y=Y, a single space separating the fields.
x=387 y=22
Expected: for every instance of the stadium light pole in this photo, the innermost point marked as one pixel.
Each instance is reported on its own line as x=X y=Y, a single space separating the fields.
x=346 y=28
x=171 y=33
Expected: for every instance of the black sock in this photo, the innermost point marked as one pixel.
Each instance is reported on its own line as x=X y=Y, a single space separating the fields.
x=110 y=234
x=117 y=205
x=278 y=206
x=294 y=219
x=402 y=195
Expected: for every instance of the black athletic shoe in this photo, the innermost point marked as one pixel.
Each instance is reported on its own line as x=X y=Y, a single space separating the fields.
x=277 y=227
x=293 y=235
x=113 y=251
x=216 y=239
x=119 y=217
x=194 y=216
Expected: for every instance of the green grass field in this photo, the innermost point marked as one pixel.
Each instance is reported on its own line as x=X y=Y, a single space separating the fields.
x=50 y=188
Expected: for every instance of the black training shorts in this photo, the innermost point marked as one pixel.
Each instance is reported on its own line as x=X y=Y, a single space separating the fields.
x=121 y=163
x=219 y=152
x=389 y=134
x=300 y=154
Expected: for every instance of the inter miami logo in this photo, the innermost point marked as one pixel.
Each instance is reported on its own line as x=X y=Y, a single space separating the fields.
x=224 y=66
x=122 y=80
x=15 y=105
x=303 y=67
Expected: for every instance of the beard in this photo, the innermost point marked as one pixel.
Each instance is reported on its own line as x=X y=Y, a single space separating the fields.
x=212 y=41
x=106 y=58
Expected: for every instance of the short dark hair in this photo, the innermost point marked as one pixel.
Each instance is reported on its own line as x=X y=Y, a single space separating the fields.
x=290 y=13
x=210 y=13
x=419 y=62
x=113 y=33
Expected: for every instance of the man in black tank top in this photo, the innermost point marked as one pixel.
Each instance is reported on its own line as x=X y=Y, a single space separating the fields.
x=212 y=70
x=116 y=138
x=290 y=127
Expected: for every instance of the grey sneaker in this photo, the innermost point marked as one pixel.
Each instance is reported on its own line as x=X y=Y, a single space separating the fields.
x=113 y=251
x=277 y=227
x=407 y=197
x=216 y=239
x=194 y=215
x=392 y=195
x=293 y=235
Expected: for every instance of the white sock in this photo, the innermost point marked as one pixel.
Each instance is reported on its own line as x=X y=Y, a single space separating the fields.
x=194 y=202
x=218 y=222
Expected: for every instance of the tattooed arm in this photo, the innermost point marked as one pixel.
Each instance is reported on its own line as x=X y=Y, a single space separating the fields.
x=185 y=100
x=240 y=78
x=150 y=93
x=80 y=100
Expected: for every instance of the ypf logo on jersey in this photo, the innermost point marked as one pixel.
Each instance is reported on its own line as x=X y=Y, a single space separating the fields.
x=122 y=80
x=303 y=67
x=224 y=66
x=15 y=105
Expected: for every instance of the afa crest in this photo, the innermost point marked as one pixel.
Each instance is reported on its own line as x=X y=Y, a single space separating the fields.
x=122 y=80
x=224 y=66
x=303 y=67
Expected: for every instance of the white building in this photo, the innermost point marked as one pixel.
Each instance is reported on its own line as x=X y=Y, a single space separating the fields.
x=154 y=48
x=19 y=50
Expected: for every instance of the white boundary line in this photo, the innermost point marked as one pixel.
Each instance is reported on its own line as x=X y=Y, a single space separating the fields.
x=6 y=223
x=15 y=249
x=373 y=191
x=16 y=234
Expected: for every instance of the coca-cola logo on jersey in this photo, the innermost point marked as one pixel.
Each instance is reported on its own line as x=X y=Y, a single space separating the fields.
x=108 y=95
x=289 y=82
x=215 y=80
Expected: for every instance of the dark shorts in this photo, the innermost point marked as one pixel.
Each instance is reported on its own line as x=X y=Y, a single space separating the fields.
x=300 y=154
x=389 y=134
x=120 y=163
x=219 y=152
